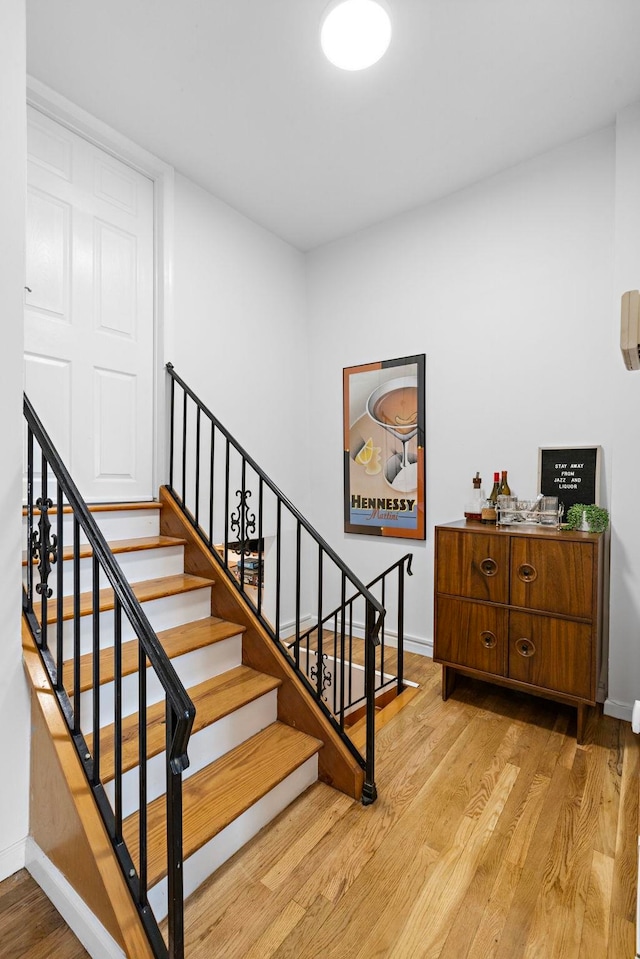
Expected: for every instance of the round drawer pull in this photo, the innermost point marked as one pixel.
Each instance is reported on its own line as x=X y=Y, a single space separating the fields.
x=488 y=639
x=525 y=647
x=527 y=573
x=489 y=566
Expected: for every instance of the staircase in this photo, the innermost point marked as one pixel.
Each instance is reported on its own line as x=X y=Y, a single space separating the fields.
x=245 y=764
x=172 y=714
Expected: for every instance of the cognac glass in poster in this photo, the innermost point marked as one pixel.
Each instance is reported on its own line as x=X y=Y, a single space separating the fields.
x=384 y=463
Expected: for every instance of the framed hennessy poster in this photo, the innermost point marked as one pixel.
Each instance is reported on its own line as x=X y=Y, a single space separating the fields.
x=384 y=455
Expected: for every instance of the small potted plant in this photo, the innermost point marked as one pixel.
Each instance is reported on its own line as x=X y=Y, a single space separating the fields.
x=591 y=519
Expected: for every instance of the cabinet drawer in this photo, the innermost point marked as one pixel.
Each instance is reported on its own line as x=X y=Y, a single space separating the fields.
x=556 y=577
x=473 y=564
x=551 y=653
x=471 y=634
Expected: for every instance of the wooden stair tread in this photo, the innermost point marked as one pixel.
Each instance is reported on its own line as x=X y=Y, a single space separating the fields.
x=146 y=590
x=213 y=699
x=121 y=546
x=216 y=795
x=384 y=714
x=102 y=507
x=175 y=642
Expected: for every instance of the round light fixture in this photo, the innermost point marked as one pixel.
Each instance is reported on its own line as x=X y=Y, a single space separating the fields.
x=355 y=33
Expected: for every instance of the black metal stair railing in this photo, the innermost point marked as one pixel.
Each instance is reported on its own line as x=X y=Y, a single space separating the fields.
x=336 y=646
x=61 y=647
x=284 y=569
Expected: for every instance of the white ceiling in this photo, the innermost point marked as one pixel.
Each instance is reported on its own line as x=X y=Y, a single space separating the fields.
x=237 y=95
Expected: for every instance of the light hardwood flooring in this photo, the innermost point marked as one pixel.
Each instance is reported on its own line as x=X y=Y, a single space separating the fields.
x=494 y=837
x=30 y=927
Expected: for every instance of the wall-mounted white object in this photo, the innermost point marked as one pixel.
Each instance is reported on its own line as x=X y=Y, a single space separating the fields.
x=630 y=329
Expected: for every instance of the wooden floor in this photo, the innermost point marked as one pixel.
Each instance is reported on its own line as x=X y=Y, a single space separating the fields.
x=494 y=837
x=30 y=928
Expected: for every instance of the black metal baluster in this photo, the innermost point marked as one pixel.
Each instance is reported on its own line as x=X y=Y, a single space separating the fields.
x=175 y=893
x=197 y=508
x=117 y=711
x=260 y=545
x=95 y=592
x=343 y=611
x=243 y=520
x=142 y=772
x=76 y=624
x=400 y=643
x=319 y=644
x=211 y=482
x=43 y=553
x=172 y=428
x=383 y=591
x=226 y=506
x=184 y=448
x=278 y=561
x=369 y=792
x=298 y=598
x=335 y=663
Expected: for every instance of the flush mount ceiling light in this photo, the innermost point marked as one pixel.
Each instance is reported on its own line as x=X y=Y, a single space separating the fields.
x=355 y=33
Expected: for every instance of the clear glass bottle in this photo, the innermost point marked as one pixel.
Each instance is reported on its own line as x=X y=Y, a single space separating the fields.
x=473 y=509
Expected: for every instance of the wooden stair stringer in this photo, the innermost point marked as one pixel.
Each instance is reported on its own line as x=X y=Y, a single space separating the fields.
x=64 y=820
x=296 y=708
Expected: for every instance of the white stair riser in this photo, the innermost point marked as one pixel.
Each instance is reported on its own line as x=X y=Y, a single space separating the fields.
x=213 y=854
x=163 y=613
x=114 y=524
x=192 y=668
x=137 y=566
x=205 y=747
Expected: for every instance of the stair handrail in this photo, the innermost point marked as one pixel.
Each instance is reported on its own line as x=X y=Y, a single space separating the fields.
x=180 y=716
x=375 y=612
x=402 y=565
x=407 y=558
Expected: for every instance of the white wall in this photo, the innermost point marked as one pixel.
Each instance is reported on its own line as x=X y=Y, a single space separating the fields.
x=14 y=712
x=507 y=288
x=624 y=405
x=239 y=337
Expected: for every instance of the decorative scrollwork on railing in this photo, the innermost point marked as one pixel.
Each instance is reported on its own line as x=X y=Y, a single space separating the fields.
x=243 y=523
x=44 y=546
x=326 y=678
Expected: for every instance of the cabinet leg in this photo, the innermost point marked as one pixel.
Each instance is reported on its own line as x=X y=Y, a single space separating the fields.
x=582 y=723
x=448 y=681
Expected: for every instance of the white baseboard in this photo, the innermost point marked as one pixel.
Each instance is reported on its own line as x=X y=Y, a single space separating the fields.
x=416 y=644
x=618 y=710
x=13 y=858
x=412 y=644
x=73 y=909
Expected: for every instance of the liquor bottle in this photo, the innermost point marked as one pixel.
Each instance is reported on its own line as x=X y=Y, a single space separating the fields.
x=473 y=509
x=504 y=489
x=489 y=514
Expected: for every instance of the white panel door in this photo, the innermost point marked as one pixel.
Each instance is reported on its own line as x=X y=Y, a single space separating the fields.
x=89 y=318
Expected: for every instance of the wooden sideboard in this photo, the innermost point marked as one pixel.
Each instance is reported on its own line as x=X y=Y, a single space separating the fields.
x=521 y=606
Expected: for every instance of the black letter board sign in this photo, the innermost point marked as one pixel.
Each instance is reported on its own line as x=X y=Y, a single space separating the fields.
x=572 y=474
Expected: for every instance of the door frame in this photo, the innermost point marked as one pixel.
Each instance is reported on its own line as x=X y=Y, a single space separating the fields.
x=68 y=114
